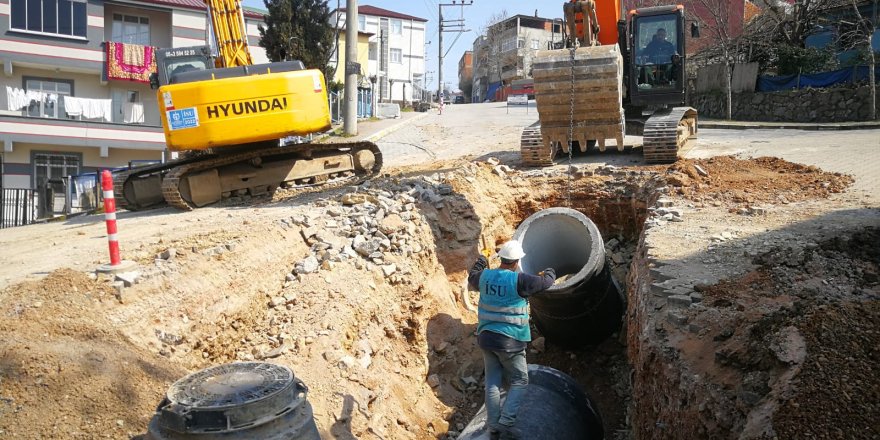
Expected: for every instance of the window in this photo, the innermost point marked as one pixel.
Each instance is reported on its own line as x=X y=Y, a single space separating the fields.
x=54 y=166
x=520 y=43
x=508 y=44
x=131 y=29
x=362 y=23
x=59 y=17
x=396 y=56
x=396 y=27
x=374 y=52
x=536 y=44
x=49 y=102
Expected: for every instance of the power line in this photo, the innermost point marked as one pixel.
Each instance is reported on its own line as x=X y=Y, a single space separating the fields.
x=457 y=26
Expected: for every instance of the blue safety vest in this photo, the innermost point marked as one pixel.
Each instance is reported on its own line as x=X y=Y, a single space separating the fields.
x=501 y=309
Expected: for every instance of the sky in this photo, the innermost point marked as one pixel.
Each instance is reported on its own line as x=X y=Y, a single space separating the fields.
x=475 y=16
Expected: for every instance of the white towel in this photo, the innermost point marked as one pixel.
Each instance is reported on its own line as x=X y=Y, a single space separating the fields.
x=97 y=109
x=133 y=112
x=106 y=106
x=73 y=106
x=16 y=98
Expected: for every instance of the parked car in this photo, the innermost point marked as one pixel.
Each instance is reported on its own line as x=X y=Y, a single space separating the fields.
x=459 y=99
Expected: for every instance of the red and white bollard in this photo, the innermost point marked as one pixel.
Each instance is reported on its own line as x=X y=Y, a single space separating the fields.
x=116 y=263
x=110 y=216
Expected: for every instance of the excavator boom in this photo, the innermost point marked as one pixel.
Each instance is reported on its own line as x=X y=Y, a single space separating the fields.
x=230 y=33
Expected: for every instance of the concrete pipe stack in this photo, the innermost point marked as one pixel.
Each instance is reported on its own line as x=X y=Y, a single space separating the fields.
x=586 y=304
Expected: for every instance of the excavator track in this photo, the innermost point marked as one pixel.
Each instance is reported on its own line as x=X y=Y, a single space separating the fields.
x=669 y=133
x=534 y=152
x=123 y=183
x=176 y=188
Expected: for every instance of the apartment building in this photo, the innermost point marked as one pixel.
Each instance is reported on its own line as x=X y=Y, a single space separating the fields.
x=466 y=73
x=396 y=51
x=506 y=52
x=75 y=82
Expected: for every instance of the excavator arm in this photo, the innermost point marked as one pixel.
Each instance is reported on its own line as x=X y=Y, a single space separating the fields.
x=230 y=33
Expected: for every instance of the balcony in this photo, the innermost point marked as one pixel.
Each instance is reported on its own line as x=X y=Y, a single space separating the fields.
x=83 y=133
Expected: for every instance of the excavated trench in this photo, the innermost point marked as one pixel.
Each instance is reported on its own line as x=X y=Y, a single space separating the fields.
x=579 y=326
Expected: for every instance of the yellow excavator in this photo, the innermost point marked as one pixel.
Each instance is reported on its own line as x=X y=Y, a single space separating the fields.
x=230 y=118
x=612 y=77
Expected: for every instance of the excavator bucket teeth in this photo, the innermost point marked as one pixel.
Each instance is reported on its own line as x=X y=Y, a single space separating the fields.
x=579 y=98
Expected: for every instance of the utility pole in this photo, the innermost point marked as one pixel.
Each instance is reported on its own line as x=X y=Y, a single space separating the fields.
x=352 y=68
x=456 y=26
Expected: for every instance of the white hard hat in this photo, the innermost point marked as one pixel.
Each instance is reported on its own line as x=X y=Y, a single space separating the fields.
x=512 y=250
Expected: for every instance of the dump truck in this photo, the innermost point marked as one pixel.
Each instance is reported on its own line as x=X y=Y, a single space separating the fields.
x=229 y=119
x=610 y=78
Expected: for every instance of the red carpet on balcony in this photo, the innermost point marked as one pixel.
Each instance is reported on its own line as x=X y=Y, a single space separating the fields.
x=130 y=62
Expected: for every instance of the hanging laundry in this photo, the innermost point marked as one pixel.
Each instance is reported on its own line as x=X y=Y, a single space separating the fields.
x=133 y=112
x=98 y=108
x=16 y=99
x=73 y=106
x=89 y=108
x=130 y=62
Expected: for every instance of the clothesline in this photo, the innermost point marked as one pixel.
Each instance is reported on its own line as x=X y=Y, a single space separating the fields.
x=17 y=99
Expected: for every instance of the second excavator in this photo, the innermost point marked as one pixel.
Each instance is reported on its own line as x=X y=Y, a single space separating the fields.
x=228 y=116
x=612 y=77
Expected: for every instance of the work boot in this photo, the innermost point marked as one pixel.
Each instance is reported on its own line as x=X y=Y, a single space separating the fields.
x=510 y=433
x=494 y=434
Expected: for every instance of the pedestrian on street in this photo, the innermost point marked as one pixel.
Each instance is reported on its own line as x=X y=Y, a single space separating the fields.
x=441 y=105
x=503 y=332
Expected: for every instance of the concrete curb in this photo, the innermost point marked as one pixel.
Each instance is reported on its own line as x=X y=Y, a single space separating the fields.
x=748 y=125
x=386 y=131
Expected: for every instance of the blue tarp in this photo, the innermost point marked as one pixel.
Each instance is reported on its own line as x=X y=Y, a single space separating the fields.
x=815 y=80
x=490 y=93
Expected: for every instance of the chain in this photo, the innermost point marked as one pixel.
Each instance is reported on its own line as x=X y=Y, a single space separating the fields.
x=570 y=124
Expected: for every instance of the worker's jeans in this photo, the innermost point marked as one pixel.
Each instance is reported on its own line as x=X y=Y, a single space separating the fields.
x=513 y=366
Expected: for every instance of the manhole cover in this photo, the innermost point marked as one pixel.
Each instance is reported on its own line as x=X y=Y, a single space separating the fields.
x=230 y=385
x=230 y=397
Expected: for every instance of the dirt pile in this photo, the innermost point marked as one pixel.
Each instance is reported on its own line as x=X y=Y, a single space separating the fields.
x=68 y=372
x=793 y=343
x=742 y=185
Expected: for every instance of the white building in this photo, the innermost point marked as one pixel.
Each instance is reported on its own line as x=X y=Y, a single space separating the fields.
x=54 y=55
x=397 y=51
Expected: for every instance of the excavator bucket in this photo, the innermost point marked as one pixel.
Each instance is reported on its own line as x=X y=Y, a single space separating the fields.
x=580 y=98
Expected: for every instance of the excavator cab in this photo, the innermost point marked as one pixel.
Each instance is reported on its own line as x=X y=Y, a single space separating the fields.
x=171 y=62
x=657 y=51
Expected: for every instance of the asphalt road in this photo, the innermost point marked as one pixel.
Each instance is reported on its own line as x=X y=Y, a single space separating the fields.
x=492 y=129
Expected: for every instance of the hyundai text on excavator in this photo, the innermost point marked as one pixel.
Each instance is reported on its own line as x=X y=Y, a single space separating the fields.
x=612 y=77
x=229 y=116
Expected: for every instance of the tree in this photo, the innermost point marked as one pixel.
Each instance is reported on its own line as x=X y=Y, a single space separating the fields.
x=299 y=30
x=717 y=17
x=858 y=36
x=790 y=23
x=494 y=32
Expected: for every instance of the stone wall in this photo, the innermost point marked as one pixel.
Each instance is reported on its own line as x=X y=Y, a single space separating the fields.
x=805 y=105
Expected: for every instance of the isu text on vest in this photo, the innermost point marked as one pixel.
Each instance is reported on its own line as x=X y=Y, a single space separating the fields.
x=247 y=107
x=494 y=290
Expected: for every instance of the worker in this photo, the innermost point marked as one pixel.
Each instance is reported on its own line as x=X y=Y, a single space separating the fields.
x=503 y=332
x=659 y=50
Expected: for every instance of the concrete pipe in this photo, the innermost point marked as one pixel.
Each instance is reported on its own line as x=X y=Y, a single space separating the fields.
x=555 y=408
x=242 y=400
x=585 y=306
